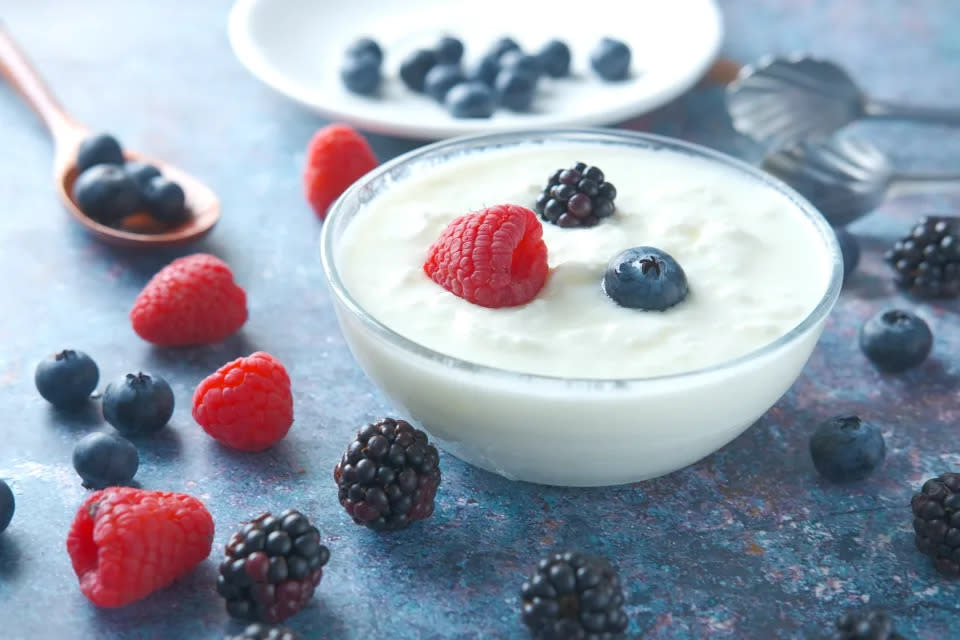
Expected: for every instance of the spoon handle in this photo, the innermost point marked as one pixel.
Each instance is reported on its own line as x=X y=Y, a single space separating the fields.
x=22 y=76
x=925 y=177
x=895 y=111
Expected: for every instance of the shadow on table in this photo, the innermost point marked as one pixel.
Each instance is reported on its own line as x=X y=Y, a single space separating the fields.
x=9 y=556
x=83 y=417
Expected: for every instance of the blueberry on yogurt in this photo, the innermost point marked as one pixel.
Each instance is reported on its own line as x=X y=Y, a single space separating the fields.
x=645 y=278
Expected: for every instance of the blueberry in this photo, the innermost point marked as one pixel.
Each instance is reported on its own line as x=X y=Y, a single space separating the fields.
x=365 y=47
x=554 y=59
x=519 y=61
x=105 y=460
x=610 y=59
x=138 y=403
x=846 y=449
x=413 y=70
x=502 y=45
x=448 y=50
x=141 y=172
x=896 y=340
x=67 y=378
x=7 y=505
x=486 y=70
x=106 y=193
x=515 y=89
x=645 y=278
x=361 y=74
x=99 y=149
x=441 y=78
x=165 y=200
x=850 y=248
x=470 y=100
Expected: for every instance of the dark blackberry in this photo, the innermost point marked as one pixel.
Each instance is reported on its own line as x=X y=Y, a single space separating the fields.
x=927 y=262
x=576 y=197
x=864 y=625
x=936 y=522
x=261 y=632
x=573 y=596
x=272 y=566
x=388 y=476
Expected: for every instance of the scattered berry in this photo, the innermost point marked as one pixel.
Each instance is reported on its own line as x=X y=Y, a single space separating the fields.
x=104 y=460
x=896 y=340
x=573 y=595
x=521 y=63
x=67 y=378
x=576 y=197
x=554 y=59
x=336 y=157
x=645 y=278
x=98 y=149
x=361 y=74
x=126 y=543
x=448 y=50
x=388 y=476
x=246 y=404
x=261 y=632
x=365 y=47
x=165 y=200
x=272 y=567
x=138 y=404
x=413 y=70
x=495 y=257
x=192 y=300
x=504 y=45
x=864 y=625
x=611 y=59
x=850 y=248
x=7 y=505
x=470 y=100
x=486 y=70
x=927 y=262
x=441 y=79
x=106 y=193
x=847 y=449
x=141 y=172
x=515 y=89
x=936 y=522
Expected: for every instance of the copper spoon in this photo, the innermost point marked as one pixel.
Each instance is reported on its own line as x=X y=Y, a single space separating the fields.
x=202 y=202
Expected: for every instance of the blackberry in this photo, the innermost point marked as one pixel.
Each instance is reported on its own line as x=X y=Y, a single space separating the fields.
x=576 y=197
x=260 y=632
x=388 y=476
x=864 y=625
x=927 y=262
x=272 y=566
x=573 y=596
x=936 y=521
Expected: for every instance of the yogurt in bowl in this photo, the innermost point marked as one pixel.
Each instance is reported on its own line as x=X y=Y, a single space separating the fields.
x=571 y=388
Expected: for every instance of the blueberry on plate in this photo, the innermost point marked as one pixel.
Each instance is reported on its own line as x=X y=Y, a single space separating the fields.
x=645 y=278
x=896 y=340
x=515 y=89
x=470 y=100
x=521 y=62
x=847 y=449
x=141 y=172
x=138 y=404
x=7 y=505
x=850 y=249
x=449 y=50
x=554 y=58
x=106 y=193
x=365 y=47
x=67 y=378
x=413 y=70
x=441 y=79
x=165 y=200
x=99 y=149
x=360 y=74
x=502 y=45
x=486 y=70
x=105 y=460
x=610 y=59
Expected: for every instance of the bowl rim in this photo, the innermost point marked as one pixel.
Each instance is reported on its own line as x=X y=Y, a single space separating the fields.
x=575 y=135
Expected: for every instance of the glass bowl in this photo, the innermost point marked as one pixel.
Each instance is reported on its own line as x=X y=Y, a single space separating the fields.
x=569 y=431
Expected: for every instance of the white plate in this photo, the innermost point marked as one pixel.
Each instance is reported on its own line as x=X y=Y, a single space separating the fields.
x=296 y=46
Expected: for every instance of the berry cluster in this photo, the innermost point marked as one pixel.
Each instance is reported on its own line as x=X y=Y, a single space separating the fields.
x=927 y=261
x=576 y=197
x=936 y=511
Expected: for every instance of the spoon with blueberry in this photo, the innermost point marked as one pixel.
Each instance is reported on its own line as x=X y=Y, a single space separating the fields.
x=122 y=197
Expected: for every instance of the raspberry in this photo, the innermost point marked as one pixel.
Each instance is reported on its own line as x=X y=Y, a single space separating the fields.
x=246 y=404
x=336 y=156
x=192 y=300
x=495 y=257
x=127 y=543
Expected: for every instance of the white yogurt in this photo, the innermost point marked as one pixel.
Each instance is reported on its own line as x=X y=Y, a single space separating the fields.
x=755 y=266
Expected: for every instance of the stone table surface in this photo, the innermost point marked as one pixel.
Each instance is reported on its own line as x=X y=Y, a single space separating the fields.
x=748 y=543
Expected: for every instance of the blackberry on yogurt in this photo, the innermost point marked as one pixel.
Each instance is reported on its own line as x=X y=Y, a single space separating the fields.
x=576 y=197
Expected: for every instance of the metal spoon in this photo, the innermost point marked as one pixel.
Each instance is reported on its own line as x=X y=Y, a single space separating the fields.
x=68 y=134
x=843 y=178
x=780 y=100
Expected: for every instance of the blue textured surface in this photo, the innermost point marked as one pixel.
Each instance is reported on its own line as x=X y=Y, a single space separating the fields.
x=748 y=543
